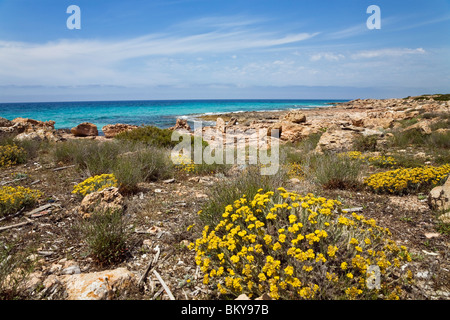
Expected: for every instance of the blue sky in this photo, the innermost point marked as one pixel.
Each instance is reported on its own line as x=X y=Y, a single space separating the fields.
x=206 y=49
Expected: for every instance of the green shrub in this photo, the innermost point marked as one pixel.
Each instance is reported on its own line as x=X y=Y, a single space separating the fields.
x=106 y=237
x=151 y=135
x=248 y=182
x=365 y=143
x=94 y=157
x=15 y=267
x=333 y=172
x=148 y=163
x=403 y=139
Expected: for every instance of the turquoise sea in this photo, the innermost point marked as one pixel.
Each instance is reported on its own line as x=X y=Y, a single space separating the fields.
x=160 y=113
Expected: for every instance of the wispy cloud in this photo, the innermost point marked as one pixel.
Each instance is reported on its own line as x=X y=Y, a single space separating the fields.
x=396 y=52
x=327 y=56
x=90 y=60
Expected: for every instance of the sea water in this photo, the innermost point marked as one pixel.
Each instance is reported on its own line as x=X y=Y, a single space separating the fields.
x=160 y=113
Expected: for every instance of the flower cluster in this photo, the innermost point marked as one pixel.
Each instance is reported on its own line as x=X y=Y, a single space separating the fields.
x=184 y=163
x=13 y=199
x=295 y=170
x=95 y=183
x=11 y=155
x=379 y=161
x=296 y=247
x=404 y=180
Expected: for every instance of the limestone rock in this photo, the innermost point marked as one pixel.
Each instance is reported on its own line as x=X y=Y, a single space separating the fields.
x=181 y=124
x=294 y=116
x=106 y=199
x=111 y=130
x=101 y=285
x=336 y=140
x=220 y=124
x=5 y=122
x=85 y=129
x=439 y=197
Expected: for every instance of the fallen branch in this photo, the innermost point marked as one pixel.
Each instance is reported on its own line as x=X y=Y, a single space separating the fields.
x=152 y=262
x=16 y=225
x=166 y=288
x=15 y=180
x=152 y=265
x=41 y=208
x=13 y=215
x=62 y=168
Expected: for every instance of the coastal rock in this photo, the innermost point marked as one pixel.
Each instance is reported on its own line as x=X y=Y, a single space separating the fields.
x=336 y=140
x=38 y=135
x=85 y=129
x=103 y=285
x=5 y=122
x=31 y=124
x=220 y=124
x=294 y=116
x=439 y=197
x=181 y=124
x=111 y=130
x=106 y=199
x=30 y=129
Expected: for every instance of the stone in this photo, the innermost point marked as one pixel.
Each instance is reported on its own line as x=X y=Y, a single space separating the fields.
x=111 y=130
x=38 y=135
x=106 y=199
x=85 y=129
x=220 y=124
x=294 y=116
x=336 y=140
x=5 y=122
x=181 y=124
x=439 y=197
x=103 y=285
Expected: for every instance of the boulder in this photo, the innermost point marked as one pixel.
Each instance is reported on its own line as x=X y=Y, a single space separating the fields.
x=220 y=124
x=181 y=124
x=336 y=140
x=103 y=285
x=38 y=135
x=31 y=124
x=85 y=129
x=294 y=116
x=111 y=130
x=439 y=197
x=30 y=129
x=106 y=199
x=5 y=122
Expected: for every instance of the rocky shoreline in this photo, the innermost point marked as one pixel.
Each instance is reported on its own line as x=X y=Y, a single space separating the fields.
x=160 y=211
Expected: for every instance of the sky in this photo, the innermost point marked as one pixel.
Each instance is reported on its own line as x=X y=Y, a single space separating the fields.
x=233 y=49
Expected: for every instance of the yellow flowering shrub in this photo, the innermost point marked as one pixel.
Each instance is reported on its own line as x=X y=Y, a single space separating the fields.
x=95 y=183
x=404 y=180
x=11 y=155
x=295 y=170
x=12 y=199
x=297 y=247
x=185 y=164
x=379 y=161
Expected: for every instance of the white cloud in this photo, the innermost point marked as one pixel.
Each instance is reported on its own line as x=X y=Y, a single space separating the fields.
x=327 y=56
x=97 y=61
x=396 y=52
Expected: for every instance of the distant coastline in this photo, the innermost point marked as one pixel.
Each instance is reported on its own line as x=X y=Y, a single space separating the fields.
x=160 y=113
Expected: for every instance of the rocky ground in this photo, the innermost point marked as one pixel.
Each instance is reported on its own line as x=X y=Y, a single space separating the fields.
x=159 y=264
